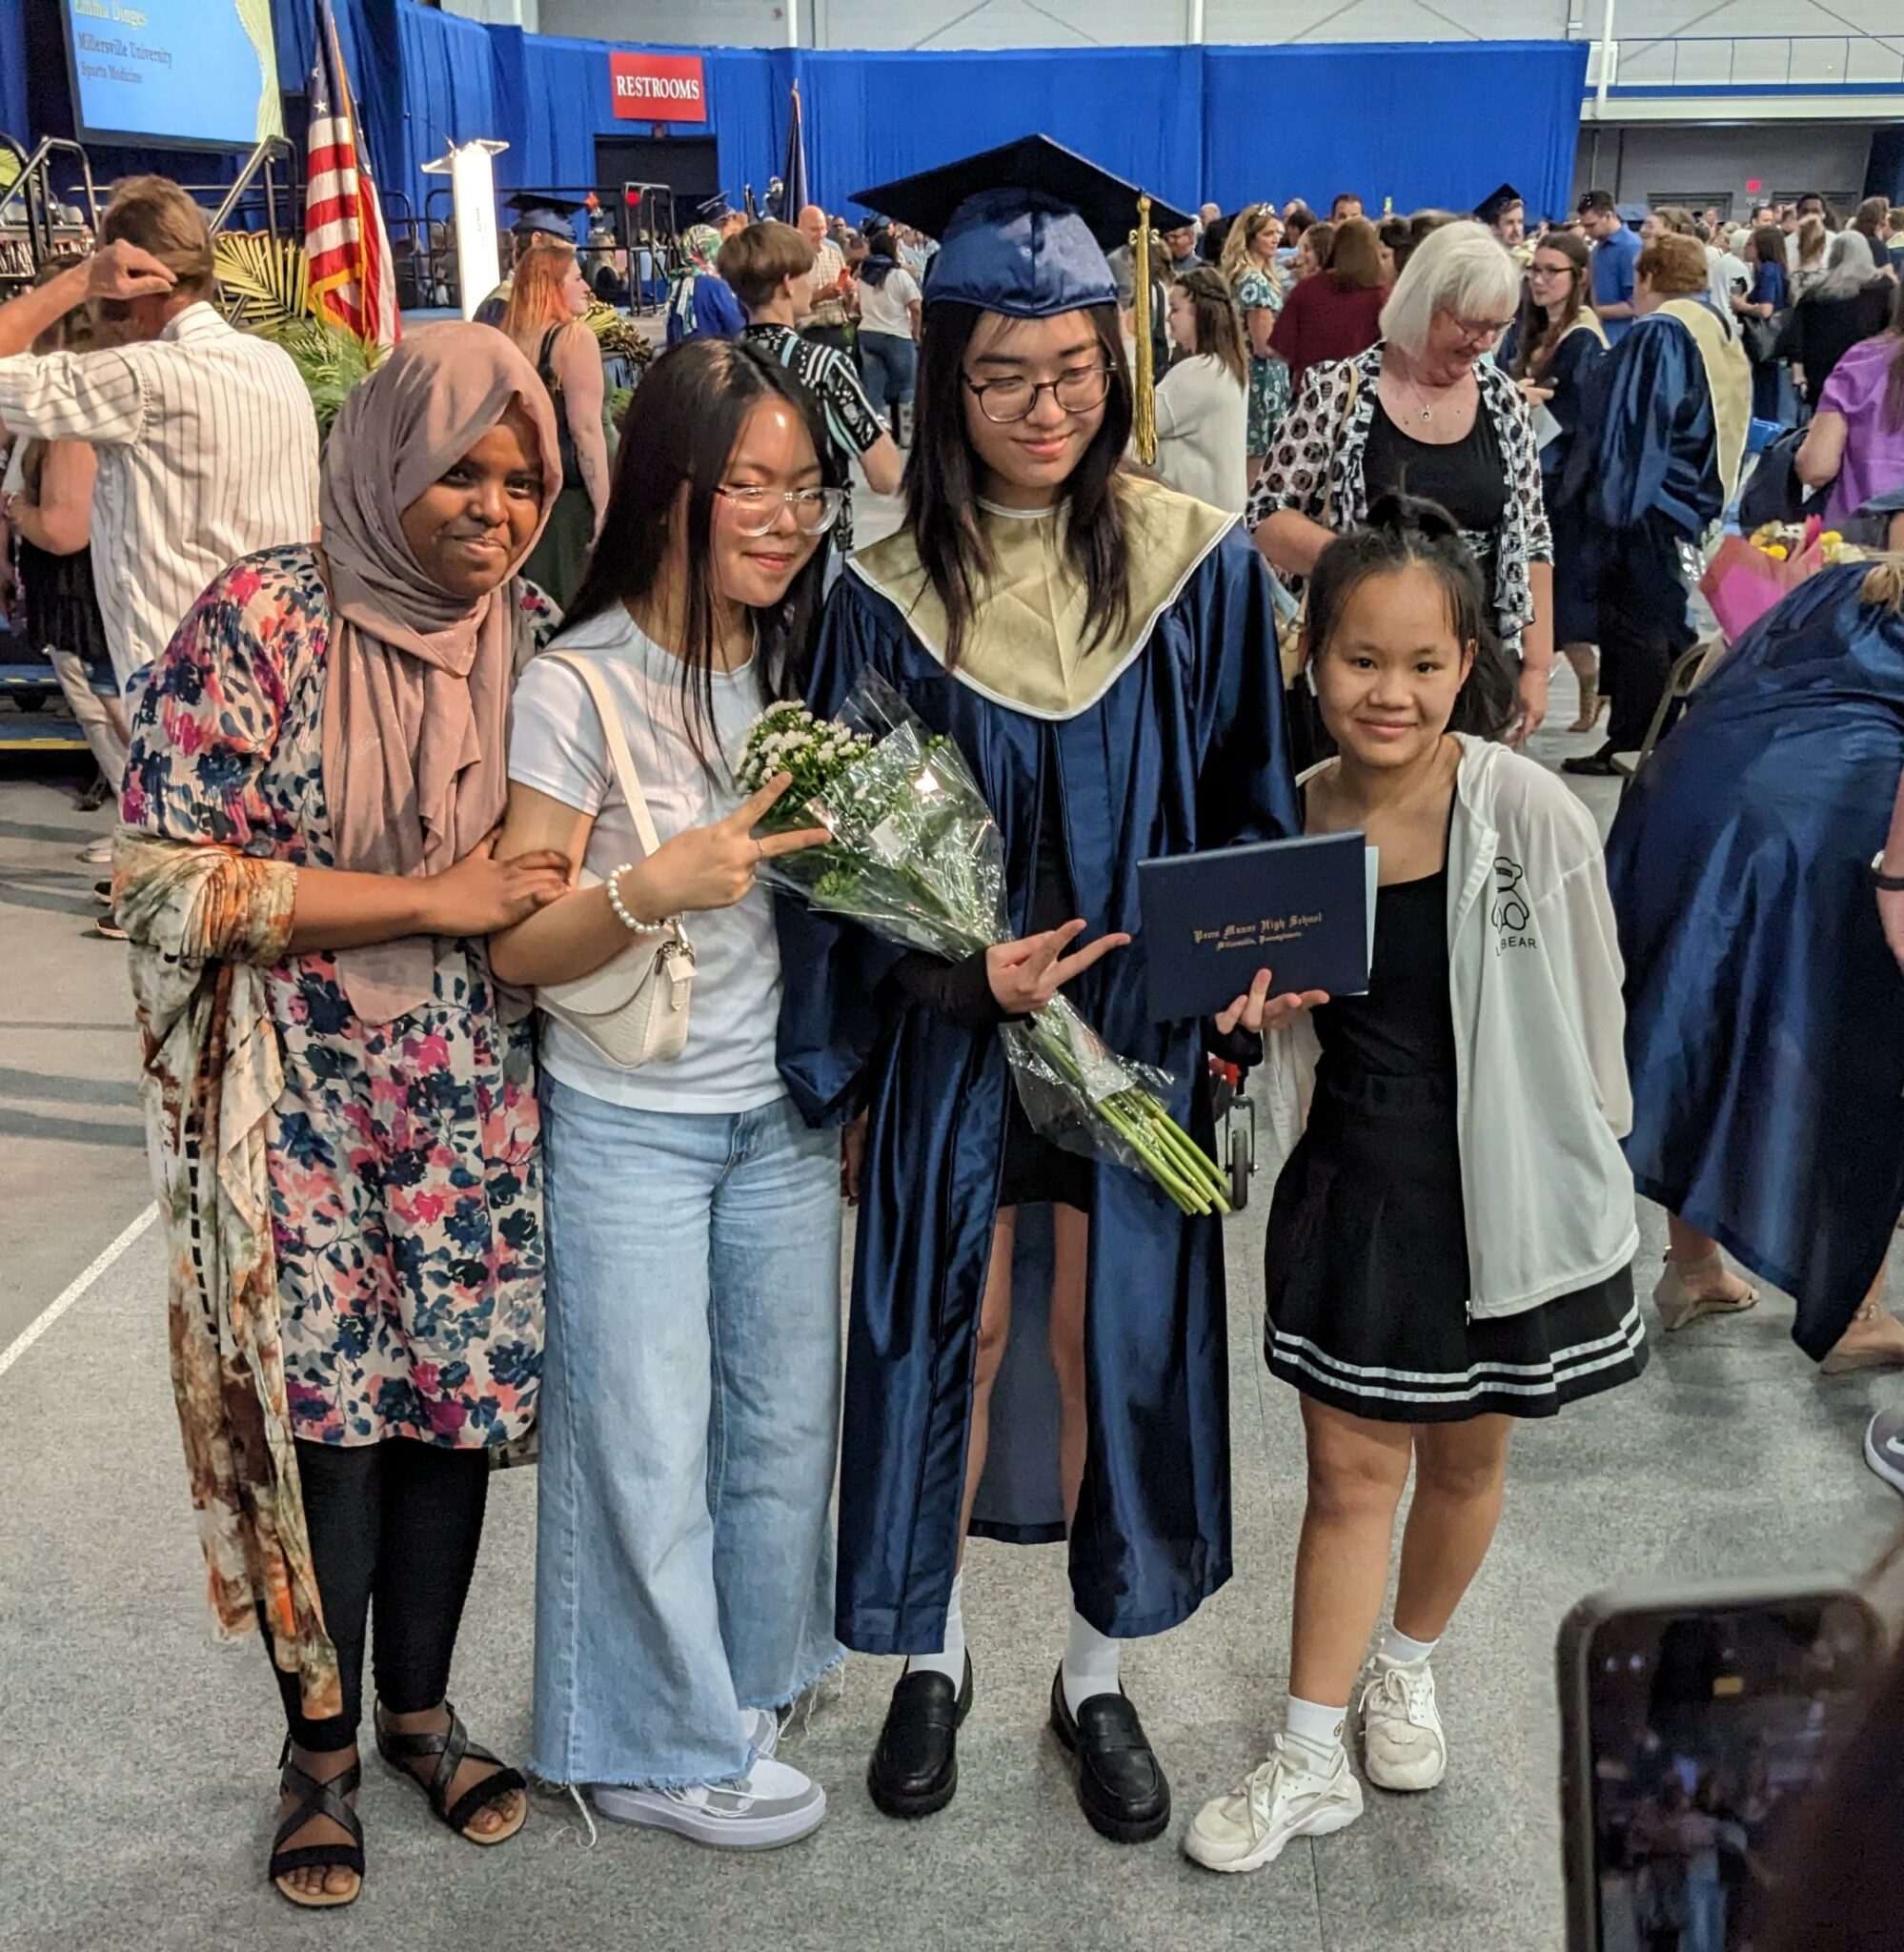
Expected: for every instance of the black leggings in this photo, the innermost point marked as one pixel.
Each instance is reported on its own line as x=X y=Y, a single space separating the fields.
x=398 y=1522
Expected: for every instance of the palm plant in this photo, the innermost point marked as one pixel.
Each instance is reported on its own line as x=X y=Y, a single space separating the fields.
x=265 y=283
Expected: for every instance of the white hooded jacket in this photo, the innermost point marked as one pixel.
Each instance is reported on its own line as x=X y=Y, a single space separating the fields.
x=1542 y=1098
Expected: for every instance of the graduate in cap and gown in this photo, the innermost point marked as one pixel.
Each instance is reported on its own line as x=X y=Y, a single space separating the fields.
x=1505 y=213
x=1765 y=1013
x=537 y=214
x=1037 y=1344
x=1656 y=453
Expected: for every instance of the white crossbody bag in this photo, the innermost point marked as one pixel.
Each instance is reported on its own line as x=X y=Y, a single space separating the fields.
x=634 y=1009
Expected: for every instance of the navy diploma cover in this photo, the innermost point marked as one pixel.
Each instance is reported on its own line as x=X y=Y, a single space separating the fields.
x=1299 y=908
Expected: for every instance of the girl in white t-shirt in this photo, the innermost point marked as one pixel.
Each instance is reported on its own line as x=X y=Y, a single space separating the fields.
x=890 y=304
x=689 y=1394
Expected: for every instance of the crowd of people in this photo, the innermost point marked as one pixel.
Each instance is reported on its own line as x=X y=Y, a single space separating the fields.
x=425 y=748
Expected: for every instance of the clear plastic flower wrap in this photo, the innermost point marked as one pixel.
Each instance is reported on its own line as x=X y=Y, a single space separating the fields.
x=917 y=858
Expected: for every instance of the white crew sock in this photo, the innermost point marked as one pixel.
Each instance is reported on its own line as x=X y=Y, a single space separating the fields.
x=1090 y=1663
x=951 y=1659
x=1313 y=1731
x=1396 y=1646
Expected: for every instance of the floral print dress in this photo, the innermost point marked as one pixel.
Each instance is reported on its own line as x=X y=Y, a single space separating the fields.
x=1256 y=291
x=405 y=1184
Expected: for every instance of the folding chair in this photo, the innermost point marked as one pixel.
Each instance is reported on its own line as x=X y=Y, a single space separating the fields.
x=1688 y=669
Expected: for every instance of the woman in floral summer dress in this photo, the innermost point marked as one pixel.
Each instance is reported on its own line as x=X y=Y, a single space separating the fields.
x=342 y=1105
x=1255 y=279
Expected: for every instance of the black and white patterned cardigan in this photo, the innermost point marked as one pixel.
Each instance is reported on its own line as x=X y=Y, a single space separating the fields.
x=1309 y=455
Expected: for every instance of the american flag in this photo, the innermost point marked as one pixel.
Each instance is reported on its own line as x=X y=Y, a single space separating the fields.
x=351 y=277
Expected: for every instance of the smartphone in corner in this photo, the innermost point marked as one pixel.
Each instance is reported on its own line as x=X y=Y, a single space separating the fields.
x=1692 y=1723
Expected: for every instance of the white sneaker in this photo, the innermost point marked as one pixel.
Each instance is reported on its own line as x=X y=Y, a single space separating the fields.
x=771 y=1805
x=1403 y=1746
x=99 y=854
x=1279 y=1801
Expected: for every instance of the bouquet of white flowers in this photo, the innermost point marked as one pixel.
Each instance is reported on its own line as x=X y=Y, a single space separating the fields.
x=917 y=858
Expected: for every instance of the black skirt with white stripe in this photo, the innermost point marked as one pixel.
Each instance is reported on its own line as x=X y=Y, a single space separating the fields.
x=1366 y=1274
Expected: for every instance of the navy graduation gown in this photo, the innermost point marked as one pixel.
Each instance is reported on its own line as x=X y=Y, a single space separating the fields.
x=1765 y=1014
x=1183 y=750
x=1647 y=443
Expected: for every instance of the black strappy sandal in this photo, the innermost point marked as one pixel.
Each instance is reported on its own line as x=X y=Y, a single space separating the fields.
x=452 y=1748
x=317 y=1800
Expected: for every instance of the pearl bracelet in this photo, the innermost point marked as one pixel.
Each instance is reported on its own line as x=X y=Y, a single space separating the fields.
x=631 y=922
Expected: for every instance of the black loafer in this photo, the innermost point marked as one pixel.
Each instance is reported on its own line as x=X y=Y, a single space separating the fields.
x=1593 y=766
x=1122 y=1787
x=915 y=1768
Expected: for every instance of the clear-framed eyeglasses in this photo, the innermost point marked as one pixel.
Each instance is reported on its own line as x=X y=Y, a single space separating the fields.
x=1002 y=401
x=756 y=510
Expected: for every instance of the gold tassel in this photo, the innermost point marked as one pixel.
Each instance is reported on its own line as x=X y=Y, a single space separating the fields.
x=1144 y=417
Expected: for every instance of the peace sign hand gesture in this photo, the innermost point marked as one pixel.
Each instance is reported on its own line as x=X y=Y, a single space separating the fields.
x=1025 y=975
x=713 y=866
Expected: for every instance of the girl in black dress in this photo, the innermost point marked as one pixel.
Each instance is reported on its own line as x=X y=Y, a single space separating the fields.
x=1421 y=1291
x=1554 y=345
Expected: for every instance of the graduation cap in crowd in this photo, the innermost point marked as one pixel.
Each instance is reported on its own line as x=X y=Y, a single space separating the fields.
x=538 y=211
x=1496 y=203
x=1022 y=229
x=714 y=210
x=1631 y=213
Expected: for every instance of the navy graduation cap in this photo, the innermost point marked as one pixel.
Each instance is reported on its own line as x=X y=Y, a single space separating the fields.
x=540 y=210
x=1491 y=207
x=1022 y=229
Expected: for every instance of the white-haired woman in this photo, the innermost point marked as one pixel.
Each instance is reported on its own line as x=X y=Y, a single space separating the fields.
x=1422 y=411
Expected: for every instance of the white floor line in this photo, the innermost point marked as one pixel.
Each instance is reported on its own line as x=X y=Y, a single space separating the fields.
x=73 y=1291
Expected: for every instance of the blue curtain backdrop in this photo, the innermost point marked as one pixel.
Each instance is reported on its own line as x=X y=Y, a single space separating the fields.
x=1423 y=123
x=14 y=115
x=1189 y=123
x=1431 y=124
x=871 y=117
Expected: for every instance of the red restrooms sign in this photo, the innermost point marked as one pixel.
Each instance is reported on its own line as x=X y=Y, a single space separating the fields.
x=658 y=88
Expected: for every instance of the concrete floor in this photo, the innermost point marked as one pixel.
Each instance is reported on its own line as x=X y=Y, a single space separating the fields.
x=141 y=1756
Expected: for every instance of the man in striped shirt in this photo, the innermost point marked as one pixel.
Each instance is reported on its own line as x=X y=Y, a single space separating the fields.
x=770 y=267
x=825 y=325
x=206 y=443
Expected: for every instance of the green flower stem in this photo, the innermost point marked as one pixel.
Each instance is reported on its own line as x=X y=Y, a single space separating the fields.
x=1169 y=1153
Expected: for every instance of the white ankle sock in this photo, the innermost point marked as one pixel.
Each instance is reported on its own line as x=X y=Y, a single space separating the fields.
x=1314 y=1730
x=951 y=1659
x=1090 y=1663
x=1398 y=1647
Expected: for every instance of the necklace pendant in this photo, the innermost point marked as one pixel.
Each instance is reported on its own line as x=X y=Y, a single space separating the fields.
x=1428 y=412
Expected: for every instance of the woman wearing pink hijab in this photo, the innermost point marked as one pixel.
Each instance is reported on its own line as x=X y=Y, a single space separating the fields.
x=341 y=1103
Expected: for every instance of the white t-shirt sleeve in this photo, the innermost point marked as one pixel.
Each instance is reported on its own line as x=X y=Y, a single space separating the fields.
x=906 y=292
x=556 y=741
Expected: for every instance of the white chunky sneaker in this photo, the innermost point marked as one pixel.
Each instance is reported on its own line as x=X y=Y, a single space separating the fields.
x=1403 y=1746
x=1279 y=1800
x=771 y=1805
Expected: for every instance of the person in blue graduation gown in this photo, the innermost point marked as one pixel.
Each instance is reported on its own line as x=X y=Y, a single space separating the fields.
x=1102 y=652
x=1662 y=432
x=1765 y=1014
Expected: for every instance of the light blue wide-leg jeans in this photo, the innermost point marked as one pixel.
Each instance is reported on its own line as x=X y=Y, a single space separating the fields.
x=689 y=1417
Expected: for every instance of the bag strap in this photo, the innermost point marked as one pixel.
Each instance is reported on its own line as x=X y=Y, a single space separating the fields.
x=619 y=755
